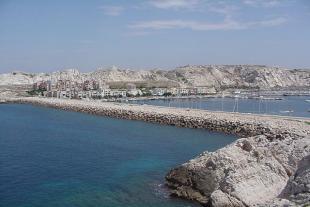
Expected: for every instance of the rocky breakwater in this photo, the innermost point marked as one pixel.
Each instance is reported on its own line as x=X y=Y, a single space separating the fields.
x=268 y=165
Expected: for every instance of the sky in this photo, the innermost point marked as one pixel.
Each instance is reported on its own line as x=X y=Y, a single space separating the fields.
x=45 y=35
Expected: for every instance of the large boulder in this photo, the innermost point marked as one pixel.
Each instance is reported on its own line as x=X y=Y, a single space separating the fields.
x=250 y=171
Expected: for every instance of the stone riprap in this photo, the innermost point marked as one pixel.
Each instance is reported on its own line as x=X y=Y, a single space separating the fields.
x=243 y=125
x=267 y=166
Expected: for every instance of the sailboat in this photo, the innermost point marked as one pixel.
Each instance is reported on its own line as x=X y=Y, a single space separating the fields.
x=236 y=104
x=287 y=111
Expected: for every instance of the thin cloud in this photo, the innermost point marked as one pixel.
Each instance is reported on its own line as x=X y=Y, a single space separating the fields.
x=226 y=10
x=112 y=10
x=227 y=24
x=137 y=33
x=174 y=4
x=270 y=22
x=262 y=3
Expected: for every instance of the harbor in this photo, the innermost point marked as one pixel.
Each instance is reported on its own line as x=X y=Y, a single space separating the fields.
x=283 y=106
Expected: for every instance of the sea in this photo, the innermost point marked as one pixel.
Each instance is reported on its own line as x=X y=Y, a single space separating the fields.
x=298 y=106
x=56 y=158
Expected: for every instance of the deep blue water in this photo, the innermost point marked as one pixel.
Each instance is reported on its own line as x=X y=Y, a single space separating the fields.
x=55 y=158
x=289 y=106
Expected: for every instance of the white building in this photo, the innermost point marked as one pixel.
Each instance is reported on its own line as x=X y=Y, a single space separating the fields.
x=173 y=91
x=134 y=92
x=158 y=91
x=183 y=91
x=112 y=93
x=118 y=93
x=201 y=90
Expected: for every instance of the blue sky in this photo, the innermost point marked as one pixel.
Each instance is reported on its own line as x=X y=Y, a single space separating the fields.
x=45 y=35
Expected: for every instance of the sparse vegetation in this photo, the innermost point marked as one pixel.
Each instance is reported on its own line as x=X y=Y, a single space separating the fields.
x=36 y=92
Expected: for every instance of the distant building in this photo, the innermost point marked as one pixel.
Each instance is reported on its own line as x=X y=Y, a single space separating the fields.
x=134 y=92
x=118 y=93
x=173 y=91
x=48 y=85
x=41 y=85
x=158 y=91
x=183 y=91
x=104 y=93
x=202 y=90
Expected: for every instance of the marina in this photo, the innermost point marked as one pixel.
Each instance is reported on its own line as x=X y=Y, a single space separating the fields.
x=286 y=106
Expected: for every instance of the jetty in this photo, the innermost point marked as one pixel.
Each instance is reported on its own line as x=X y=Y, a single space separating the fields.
x=267 y=166
x=241 y=124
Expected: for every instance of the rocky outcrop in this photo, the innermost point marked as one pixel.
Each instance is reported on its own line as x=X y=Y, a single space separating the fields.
x=249 y=172
x=218 y=76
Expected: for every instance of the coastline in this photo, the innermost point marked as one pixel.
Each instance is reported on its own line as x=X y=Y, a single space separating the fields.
x=235 y=175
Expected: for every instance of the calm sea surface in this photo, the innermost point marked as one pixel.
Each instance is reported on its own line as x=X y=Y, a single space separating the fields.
x=289 y=106
x=54 y=158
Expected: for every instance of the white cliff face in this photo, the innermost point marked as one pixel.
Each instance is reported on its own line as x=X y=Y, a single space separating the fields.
x=21 y=78
x=219 y=76
x=117 y=75
x=243 y=76
x=16 y=78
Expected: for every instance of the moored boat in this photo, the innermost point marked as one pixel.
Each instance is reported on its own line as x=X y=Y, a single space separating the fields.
x=287 y=111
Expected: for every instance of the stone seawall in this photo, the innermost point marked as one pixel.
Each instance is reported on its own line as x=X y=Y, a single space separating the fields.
x=243 y=125
x=258 y=169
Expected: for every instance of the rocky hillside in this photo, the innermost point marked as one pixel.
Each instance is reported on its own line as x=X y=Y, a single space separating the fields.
x=219 y=76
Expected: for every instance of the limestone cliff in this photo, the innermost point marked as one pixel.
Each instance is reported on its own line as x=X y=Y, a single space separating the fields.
x=219 y=76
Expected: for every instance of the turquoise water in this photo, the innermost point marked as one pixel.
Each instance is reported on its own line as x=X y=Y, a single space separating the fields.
x=289 y=106
x=55 y=158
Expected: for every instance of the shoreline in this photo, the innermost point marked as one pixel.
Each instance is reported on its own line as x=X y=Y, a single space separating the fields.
x=254 y=170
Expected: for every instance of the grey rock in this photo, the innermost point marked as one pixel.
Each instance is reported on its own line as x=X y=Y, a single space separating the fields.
x=216 y=76
x=221 y=199
x=298 y=186
x=238 y=173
